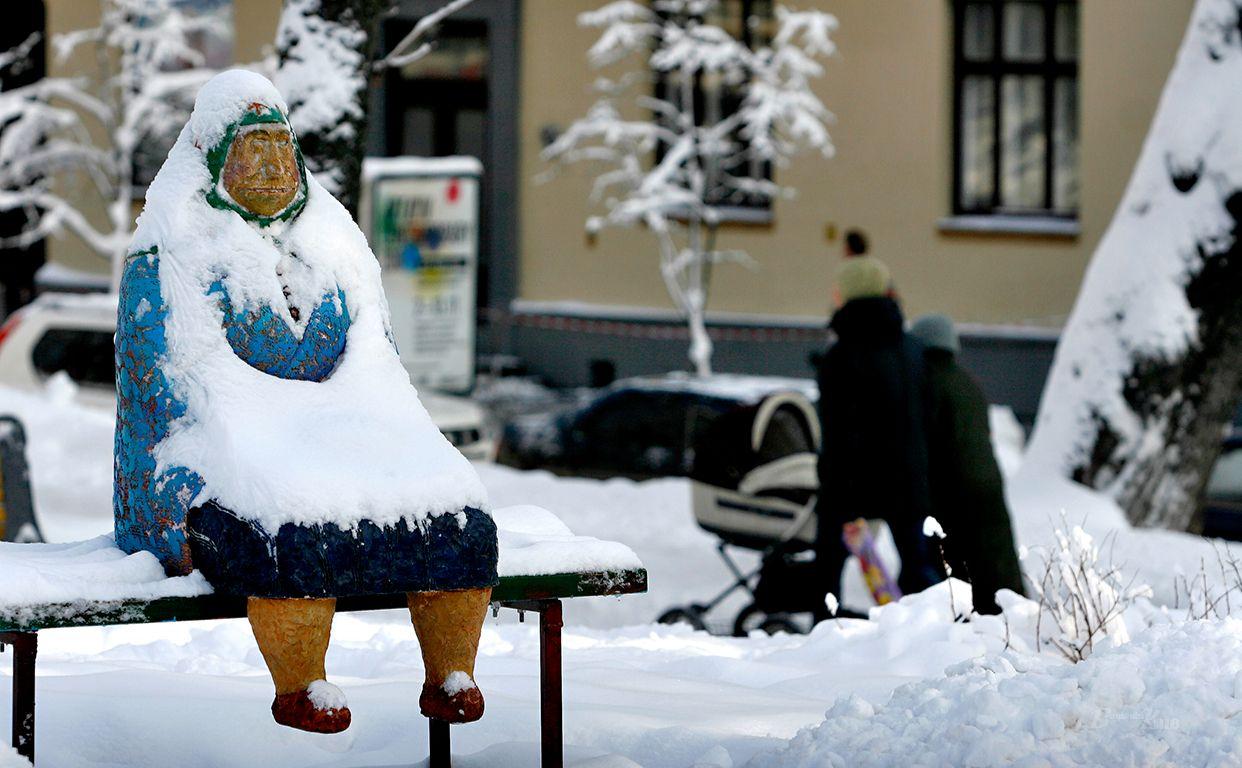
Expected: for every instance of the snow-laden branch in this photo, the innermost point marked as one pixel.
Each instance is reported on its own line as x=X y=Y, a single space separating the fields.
x=61 y=133
x=412 y=47
x=674 y=169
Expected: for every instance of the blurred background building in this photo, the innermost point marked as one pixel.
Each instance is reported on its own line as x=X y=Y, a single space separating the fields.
x=982 y=145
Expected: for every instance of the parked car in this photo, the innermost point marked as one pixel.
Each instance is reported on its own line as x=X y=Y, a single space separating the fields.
x=73 y=333
x=1222 y=505
x=643 y=427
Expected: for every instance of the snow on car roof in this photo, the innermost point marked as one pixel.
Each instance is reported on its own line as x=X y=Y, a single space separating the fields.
x=728 y=386
x=374 y=167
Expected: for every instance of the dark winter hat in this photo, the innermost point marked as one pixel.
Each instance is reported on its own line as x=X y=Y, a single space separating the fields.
x=862 y=278
x=936 y=331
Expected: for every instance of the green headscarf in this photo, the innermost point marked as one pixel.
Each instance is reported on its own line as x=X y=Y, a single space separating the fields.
x=217 y=155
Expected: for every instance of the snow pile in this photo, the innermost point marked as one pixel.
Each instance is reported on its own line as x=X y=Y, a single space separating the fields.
x=10 y=759
x=93 y=570
x=274 y=450
x=1167 y=698
x=534 y=542
x=326 y=696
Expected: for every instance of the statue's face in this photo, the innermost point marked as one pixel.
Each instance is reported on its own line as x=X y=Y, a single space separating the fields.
x=261 y=170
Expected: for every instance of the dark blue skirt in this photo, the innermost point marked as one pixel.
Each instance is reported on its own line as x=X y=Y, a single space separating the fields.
x=239 y=557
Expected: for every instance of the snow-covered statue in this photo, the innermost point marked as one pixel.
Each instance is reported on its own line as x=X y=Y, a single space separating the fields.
x=267 y=433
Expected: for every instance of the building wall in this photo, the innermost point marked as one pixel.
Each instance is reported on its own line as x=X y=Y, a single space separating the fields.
x=254 y=31
x=890 y=87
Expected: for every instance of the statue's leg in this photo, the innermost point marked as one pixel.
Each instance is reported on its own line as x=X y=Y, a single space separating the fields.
x=293 y=638
x=448 y=626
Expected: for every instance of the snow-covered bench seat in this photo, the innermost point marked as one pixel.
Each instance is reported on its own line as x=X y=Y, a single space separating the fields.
x=92 y=583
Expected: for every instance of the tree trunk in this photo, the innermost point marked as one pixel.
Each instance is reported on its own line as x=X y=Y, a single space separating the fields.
x=1148 y=373
x=324 y=49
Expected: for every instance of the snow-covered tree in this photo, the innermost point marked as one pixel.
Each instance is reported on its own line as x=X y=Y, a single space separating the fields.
x=325 y=50
x=673 y=166
x=52 y=164
x=1148 y=373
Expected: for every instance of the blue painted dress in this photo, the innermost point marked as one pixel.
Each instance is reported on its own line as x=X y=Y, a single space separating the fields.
x=160 y=510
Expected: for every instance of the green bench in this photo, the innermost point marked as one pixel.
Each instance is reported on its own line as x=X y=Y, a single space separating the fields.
x=542 y=594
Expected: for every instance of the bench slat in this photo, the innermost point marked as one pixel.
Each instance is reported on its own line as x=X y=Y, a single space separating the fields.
x=510 y=589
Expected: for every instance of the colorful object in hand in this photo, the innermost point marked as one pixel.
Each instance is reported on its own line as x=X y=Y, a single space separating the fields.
x=859 y=541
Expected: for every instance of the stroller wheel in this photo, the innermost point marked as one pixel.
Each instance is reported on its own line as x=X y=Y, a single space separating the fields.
x=690 y=614
x=779 y=622
x=749 y=618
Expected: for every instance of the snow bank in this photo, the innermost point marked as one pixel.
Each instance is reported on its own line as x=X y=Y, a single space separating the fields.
x=10 y=759
x=1167 y=698
x=93 y=570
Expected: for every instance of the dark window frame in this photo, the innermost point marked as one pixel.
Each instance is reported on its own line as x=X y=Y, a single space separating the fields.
x=1049 y=69
x=748 y=208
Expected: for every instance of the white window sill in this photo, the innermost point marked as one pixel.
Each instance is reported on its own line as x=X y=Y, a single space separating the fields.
x=733 y=214
x=1000 y=224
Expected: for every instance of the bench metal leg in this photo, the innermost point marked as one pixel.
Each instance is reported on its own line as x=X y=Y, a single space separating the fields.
x=551 y=723
x=441 y=751
x=25 y=649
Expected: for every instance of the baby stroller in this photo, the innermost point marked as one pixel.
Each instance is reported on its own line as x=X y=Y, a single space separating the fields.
x=754 y=485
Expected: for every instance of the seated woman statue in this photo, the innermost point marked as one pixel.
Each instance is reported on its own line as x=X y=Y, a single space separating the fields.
x=267 y=433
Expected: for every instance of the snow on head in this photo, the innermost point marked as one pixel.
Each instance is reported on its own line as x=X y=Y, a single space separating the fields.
x=225 y=99
x=356 y=444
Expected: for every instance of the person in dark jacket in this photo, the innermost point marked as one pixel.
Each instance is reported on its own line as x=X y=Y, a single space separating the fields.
x=968 y=492
x=874 y=460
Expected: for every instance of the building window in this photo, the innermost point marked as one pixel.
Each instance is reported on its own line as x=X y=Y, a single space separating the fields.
x=1016 y=104
x=716 y=97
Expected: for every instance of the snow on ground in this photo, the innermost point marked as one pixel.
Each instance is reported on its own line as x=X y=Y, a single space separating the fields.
x=196 y=694
x=1168 y=698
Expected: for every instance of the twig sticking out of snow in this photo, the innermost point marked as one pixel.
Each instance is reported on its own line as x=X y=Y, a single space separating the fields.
x=932 y=529
x=1205 y=600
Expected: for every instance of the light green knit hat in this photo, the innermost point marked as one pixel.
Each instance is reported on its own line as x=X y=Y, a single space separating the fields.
x=862 y=277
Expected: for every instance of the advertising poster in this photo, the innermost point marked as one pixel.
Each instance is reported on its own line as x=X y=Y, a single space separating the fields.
x=423 y=223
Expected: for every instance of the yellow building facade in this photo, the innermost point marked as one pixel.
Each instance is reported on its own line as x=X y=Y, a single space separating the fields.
x=891 y=87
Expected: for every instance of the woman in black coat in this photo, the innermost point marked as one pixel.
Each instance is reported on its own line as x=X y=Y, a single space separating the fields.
x=874 y=461
x=967 y=489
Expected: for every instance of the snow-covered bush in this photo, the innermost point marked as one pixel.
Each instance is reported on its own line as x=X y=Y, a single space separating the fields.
x=51 y=162
x=1081 y=599
x=667 y=163
x=1204 y=596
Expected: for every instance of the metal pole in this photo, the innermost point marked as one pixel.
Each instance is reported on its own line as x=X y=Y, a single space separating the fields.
x=441 y=751
x=551 y=711
x=25 y=648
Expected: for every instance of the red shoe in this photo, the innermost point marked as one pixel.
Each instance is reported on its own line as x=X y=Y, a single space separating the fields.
x=459 y=700
x=299 y=710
